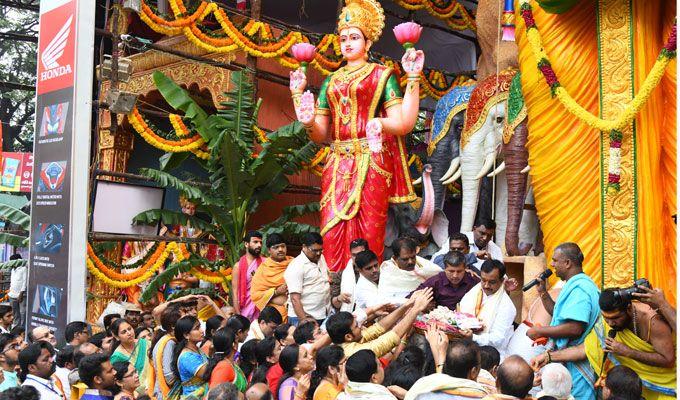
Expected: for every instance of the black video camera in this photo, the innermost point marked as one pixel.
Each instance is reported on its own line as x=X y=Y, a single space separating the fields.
x=626 y=294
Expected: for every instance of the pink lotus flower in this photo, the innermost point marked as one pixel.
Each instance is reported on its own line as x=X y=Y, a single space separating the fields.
x=408 y=33
x=304 y=53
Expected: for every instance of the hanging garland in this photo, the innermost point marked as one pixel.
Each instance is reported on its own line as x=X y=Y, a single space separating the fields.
x=109 y=267
x=153 y=262
x=257 y=39
x=193 y=143
x=115 y=279
x=444 y=10
x=668 y=53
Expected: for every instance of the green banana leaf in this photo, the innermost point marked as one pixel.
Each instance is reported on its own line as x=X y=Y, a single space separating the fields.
x=14 y=240
x=171 y=217
x=15 y=216
x=13 y=264
x=167 y=180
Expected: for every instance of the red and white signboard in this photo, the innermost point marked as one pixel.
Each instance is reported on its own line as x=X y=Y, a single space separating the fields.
x=61 y=150
x=56 y=60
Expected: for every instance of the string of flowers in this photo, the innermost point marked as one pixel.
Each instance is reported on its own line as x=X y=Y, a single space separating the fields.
x=137 y=264
x=154 y=262
x=446 y=12
x=257 y=39
x=144 y=268
x=115 y=279
x=193 y=143
x=614 y=127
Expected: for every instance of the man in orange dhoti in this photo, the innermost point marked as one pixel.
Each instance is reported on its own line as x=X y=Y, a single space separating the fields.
x=268 y=288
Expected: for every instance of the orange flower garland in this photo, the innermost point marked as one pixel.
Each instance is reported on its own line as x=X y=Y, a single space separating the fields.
x=153 y=258
x=256 y=38
x=192 y=143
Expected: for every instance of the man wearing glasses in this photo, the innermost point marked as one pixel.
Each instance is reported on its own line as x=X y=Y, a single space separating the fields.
x=9 y=359
x=308 y=283
x=77 y=333
x=42 y=333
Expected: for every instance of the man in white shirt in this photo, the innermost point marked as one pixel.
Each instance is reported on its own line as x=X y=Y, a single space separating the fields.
x=404 y=272
x=17 y=292
x=308 y=284
x=350 y=274
x=65 y=364
x=490 y=303
x=37 y=367
x=366 y=291
x=265 y=324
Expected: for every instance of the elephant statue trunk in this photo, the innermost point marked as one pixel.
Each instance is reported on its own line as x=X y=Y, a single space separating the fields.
x=426 y=213
x=516 y=156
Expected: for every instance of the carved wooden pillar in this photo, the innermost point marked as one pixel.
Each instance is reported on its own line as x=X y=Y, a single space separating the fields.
x=114 y=153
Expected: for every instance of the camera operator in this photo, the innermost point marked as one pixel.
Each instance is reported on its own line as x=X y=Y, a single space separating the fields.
x=630 y=334
x=656 y=300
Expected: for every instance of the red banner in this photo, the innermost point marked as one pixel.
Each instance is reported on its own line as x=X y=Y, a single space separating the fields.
x=17 y=172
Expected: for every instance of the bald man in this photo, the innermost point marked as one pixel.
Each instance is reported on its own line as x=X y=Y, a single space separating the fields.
x=514 y=378
x=258 y=391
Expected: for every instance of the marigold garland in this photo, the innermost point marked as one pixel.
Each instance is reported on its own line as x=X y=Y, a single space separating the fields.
x=667 y=54
x=180 y=252
x=193 y=143
x=256 y=39
x=125 y=282
x=445 y=12
x=141 y=270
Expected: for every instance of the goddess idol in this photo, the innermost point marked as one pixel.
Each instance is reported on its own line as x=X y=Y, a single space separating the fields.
x=361 y=111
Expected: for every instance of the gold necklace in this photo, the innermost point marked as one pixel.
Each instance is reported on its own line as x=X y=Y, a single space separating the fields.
x=344 y=76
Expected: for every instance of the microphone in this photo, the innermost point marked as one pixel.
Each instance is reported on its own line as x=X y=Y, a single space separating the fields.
x=544 y=275
x=612 y=333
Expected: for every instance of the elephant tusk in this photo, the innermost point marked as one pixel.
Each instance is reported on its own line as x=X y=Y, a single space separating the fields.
x=488 y=164
x=498 y=170
x=453 y=178
x=417 y=181
x=525 y=169
x=453 y=167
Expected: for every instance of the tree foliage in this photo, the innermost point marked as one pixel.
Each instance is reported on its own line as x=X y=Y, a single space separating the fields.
x=18 y=33
x=242 y=173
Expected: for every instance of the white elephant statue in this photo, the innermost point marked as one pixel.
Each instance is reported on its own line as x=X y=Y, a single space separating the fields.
x=481 y=141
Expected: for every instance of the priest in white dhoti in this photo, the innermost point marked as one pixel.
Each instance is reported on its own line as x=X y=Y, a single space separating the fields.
x=490 y=303
x=404 y=272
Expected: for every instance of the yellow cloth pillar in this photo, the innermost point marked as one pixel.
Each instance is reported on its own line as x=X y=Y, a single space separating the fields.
x=564 y=153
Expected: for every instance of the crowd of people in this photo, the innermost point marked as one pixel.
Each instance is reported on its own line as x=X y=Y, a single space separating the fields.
x=296 y=331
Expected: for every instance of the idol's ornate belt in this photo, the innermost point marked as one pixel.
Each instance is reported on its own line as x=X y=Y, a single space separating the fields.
x=350 y=147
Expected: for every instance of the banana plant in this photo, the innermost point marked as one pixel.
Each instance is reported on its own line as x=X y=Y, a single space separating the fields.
x=14 y=216
x=242 y=173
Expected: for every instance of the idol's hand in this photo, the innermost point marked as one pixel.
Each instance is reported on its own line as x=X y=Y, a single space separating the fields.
x=298 y=81
x=304 y=108
x=413 y=61
x=374 y=135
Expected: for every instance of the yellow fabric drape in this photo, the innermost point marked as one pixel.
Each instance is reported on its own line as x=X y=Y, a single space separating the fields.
x=564 y=153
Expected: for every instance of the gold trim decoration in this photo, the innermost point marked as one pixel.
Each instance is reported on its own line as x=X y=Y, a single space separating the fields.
x=616 y=86
x=488 y=93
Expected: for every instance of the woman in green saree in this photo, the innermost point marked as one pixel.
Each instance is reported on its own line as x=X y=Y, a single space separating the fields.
x=127 y=347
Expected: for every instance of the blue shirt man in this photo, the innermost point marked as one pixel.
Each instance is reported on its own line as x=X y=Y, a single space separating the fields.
x=574 y=314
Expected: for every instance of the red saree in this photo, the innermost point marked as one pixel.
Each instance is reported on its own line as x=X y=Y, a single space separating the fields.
x=358 y=185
